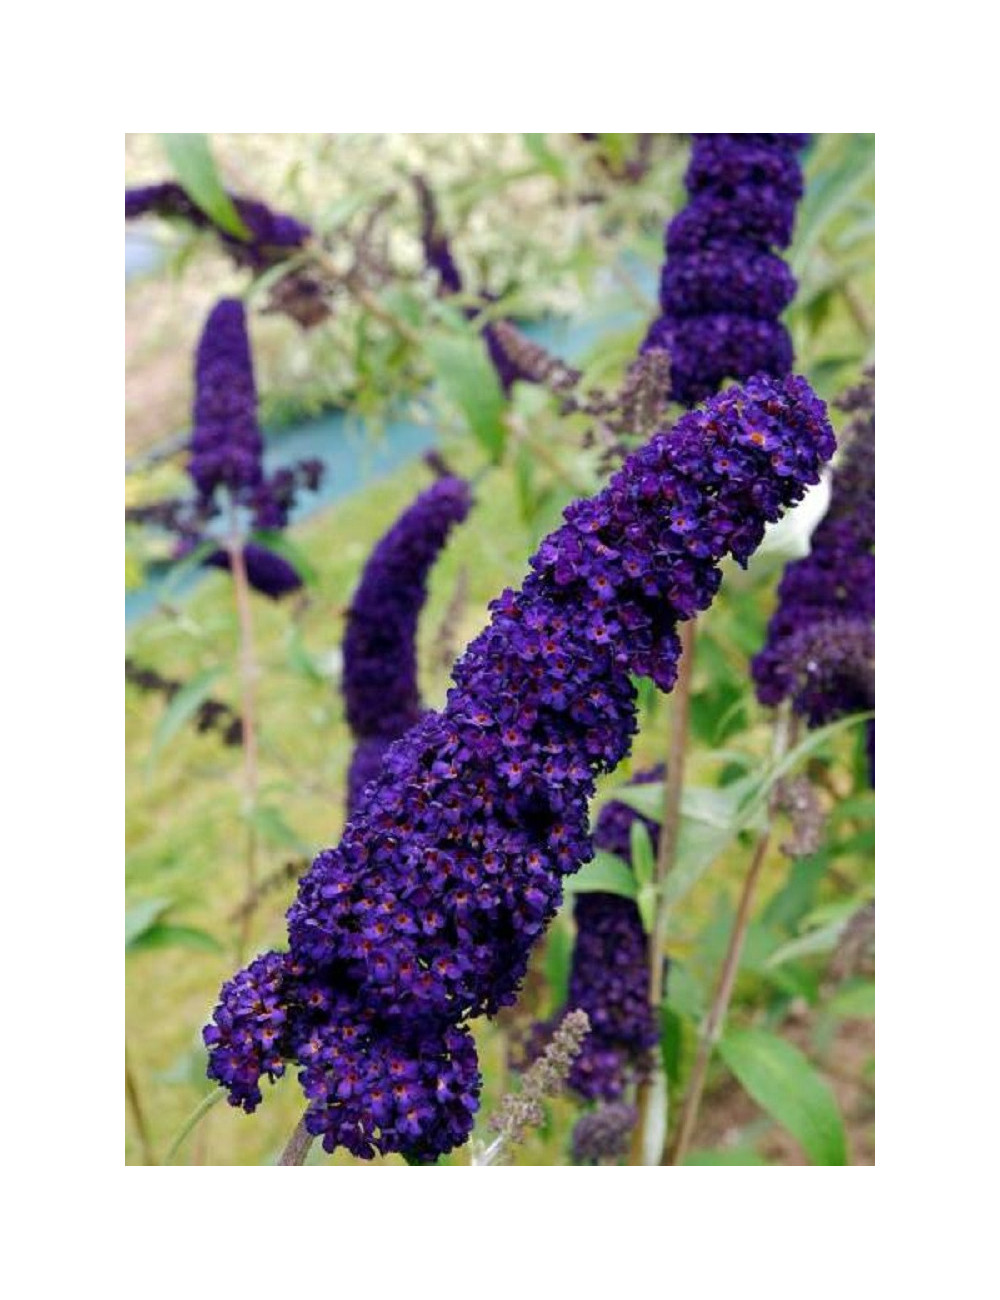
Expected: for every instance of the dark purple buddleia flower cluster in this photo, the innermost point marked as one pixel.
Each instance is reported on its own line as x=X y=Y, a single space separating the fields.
x=439 y=257
x=425 y=914
x=227 y=446
x=601 y=1136
x=820 y=647
x=226 y=460
x=380 y=648
x=609 y=976
x=723 y=287
x=273 y=236
x=267 y=572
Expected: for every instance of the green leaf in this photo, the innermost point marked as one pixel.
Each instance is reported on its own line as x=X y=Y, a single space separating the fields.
x=139 y=918
x=823 y=939
x=646 y=903
x=813 y=741
x=299 y=658
x=830 y=192
x=786 y=1084
x=558 y=958
x=191 y=159
x=698 y=846
x=282 y=545
x=684 y=992
x=725 y=1156
x=641 y=853
x=536 y=145
x=270 y=823
x=200 y=1111
x=181 y=709
x=604 y=874
x=160 y=935
x=854 y=1002
x=673 y=1029
x=466 y=377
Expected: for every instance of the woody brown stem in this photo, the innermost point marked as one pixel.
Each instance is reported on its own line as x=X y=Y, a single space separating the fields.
x=248 y=714
x=666 y=855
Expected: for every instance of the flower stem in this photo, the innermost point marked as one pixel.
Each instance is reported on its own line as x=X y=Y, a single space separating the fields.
x=248 y=713
x=720 y=1005
x=297 y=1146
x=784 y=739
x=204 y=1106
x=665 y=857
x=138 y=1114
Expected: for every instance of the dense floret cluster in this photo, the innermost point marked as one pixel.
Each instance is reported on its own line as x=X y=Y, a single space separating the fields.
x=380 y=650
x=226 y=442
x=439 y=257
x=267 y=572
x=273 y=236
x=723 y=288
x=425 y=914
x=820 y=648
x=601 y=1136
x=609 y=976
x=226 y=461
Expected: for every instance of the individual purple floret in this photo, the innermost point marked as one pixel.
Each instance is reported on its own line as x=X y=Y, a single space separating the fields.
x=820 y=647
x=425 y=914
x=267 y=572
x=380 y=650
x=723 y=287
x=273 y=236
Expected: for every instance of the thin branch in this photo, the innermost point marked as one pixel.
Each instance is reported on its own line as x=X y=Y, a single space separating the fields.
x=138 y=1115
x=297 y=1147
x=248 y=713
x=666 y=855
x=720 y=1005
x=785 y=736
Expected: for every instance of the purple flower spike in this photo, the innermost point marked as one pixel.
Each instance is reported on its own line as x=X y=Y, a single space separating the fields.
x=380 y=649
x=424 y=916
x=267 y=572
x=820 y=648
x=723 y=286
x=609 y=977
x=226 y=444
x=273 y=236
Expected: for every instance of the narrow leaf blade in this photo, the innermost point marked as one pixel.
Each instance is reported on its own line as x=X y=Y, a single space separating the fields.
x=191 y=159
x=786 y=1084
x=604 y=874
x=182 y=707
x=469 y=381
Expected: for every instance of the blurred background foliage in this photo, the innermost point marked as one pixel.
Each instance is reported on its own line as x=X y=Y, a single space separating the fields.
x=565 y=235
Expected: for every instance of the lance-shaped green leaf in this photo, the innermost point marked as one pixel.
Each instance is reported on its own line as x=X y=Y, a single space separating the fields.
x=606 y=873
x=469 y=381
x=644 y=870
x=192 y=161
x=856 y=1001
x=163 y=935
x=139 y=918
x=787 y=1085
x=181 y=709
x=282 y=545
